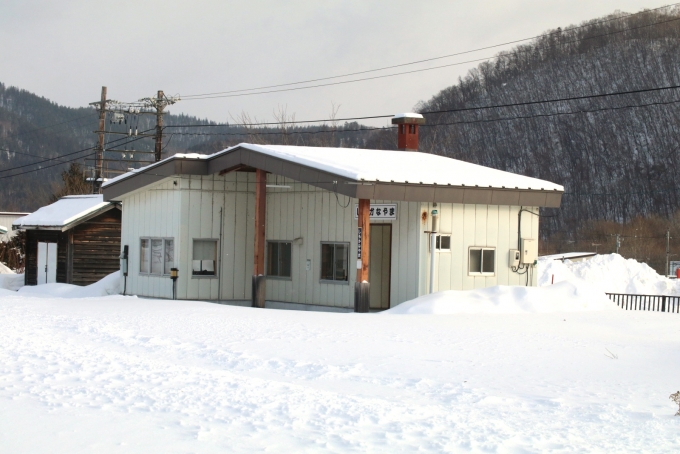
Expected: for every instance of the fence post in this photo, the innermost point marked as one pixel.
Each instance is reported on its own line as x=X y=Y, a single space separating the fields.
x=663 y=303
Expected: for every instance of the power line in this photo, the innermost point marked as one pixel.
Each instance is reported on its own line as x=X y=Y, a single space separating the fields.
x=64 y=161
x=412 y=71
x=488 y=120
x=48 y=126
x=462 y=109
x=434 y=58
x=61 y=156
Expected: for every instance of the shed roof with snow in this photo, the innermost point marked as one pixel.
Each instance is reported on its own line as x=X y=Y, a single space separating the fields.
x=360 y=173
x=65 y=213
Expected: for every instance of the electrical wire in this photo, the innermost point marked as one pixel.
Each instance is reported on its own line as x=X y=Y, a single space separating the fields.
x=488 y=120
x=462 y=109
x=48 y=126
x=60 y=163
x=202 y=95
x=67 y=154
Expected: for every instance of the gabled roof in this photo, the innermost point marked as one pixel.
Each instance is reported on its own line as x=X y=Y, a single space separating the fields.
x=65 y=213
x=361 y=173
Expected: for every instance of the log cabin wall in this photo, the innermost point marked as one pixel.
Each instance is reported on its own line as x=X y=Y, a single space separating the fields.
x=95 y=248
x=33 y=237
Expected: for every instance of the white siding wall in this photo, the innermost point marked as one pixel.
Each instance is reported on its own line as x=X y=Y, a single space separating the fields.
x=6 y=220
x=474 y=225
x=152 y=212
x=191 y=210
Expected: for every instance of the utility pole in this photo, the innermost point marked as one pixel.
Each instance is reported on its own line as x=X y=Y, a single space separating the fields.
x=668 y=249
x=96 y=182
x=160 y=102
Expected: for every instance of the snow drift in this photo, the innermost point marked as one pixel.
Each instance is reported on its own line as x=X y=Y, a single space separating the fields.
x=108 y=285
x=609 y=273
x=563 y=297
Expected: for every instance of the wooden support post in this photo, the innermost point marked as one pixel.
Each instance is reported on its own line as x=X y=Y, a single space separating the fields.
x=260 y=213
x=362 y=286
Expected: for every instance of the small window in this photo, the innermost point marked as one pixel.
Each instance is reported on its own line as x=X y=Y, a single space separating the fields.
x=334 y=261
x=204 y=258
x=144 y=255
x=443 y=242
x=169 y=256
x=482 y=261
x=279 y=258
x=156 y=256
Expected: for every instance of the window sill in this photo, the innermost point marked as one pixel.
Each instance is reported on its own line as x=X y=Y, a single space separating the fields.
x=482 y=274
x=153 y=275
x=203 y=276
x=323 y=281
x=280 y=278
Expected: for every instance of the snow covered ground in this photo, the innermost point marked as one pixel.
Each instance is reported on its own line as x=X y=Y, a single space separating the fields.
x=124 y=374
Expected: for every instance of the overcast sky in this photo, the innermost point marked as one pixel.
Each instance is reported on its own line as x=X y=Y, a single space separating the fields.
x=66 y=50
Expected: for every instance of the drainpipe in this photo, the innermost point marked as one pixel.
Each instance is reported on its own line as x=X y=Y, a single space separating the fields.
x=433 y=245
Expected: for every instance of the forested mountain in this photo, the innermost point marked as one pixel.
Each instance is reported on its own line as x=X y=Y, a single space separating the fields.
x=615 y=161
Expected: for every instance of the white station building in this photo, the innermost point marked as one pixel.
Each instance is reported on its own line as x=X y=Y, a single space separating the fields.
x=293 y=215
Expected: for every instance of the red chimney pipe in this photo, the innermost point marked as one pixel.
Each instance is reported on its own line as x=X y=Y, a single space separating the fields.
x=407 y=130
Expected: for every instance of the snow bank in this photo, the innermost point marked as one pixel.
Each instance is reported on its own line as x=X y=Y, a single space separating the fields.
x=11 y=281
x=608 y=273
x=563 y=297
x=110 y=285
x=4 y=269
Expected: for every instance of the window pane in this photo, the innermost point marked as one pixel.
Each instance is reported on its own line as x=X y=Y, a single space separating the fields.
x=156 y=256
x=286 y=259
x=488 y=260
x=204 y=256
x=475 y=260
x=169 y=256
x=272 y=259
x=144 y=255
x=341 y=253
x=445 y=243
x=327 y=262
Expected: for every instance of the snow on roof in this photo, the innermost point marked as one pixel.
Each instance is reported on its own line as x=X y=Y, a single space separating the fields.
x=401 y=167
x=381 y=165
x=62 y=212
x=408 y=115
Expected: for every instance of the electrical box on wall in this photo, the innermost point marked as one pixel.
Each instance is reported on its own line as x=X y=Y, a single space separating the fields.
x=513 y=258
x=529 y=251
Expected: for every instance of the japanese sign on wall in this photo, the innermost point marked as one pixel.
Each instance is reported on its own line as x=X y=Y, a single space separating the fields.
x=379 y=211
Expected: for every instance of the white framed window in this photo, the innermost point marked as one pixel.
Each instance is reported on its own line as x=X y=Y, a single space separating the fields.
x=156 y=256
x=279 y=258
x=204 y=258
x=335 y=262
x=443 y=242
x=482 y=261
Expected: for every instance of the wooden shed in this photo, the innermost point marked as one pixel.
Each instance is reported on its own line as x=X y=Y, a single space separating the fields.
x=75 y=240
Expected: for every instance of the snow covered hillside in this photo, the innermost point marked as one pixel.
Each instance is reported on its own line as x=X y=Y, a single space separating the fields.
x=122 y=374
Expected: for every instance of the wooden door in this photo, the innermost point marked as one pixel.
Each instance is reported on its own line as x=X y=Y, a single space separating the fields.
x=47 y=263
x=379 y=269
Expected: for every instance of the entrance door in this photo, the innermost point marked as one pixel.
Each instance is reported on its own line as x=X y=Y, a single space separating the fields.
x=380 y=261
x=47 y=263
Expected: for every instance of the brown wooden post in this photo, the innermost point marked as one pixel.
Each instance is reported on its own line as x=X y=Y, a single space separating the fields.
x=362 y=286
x=259 y=286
